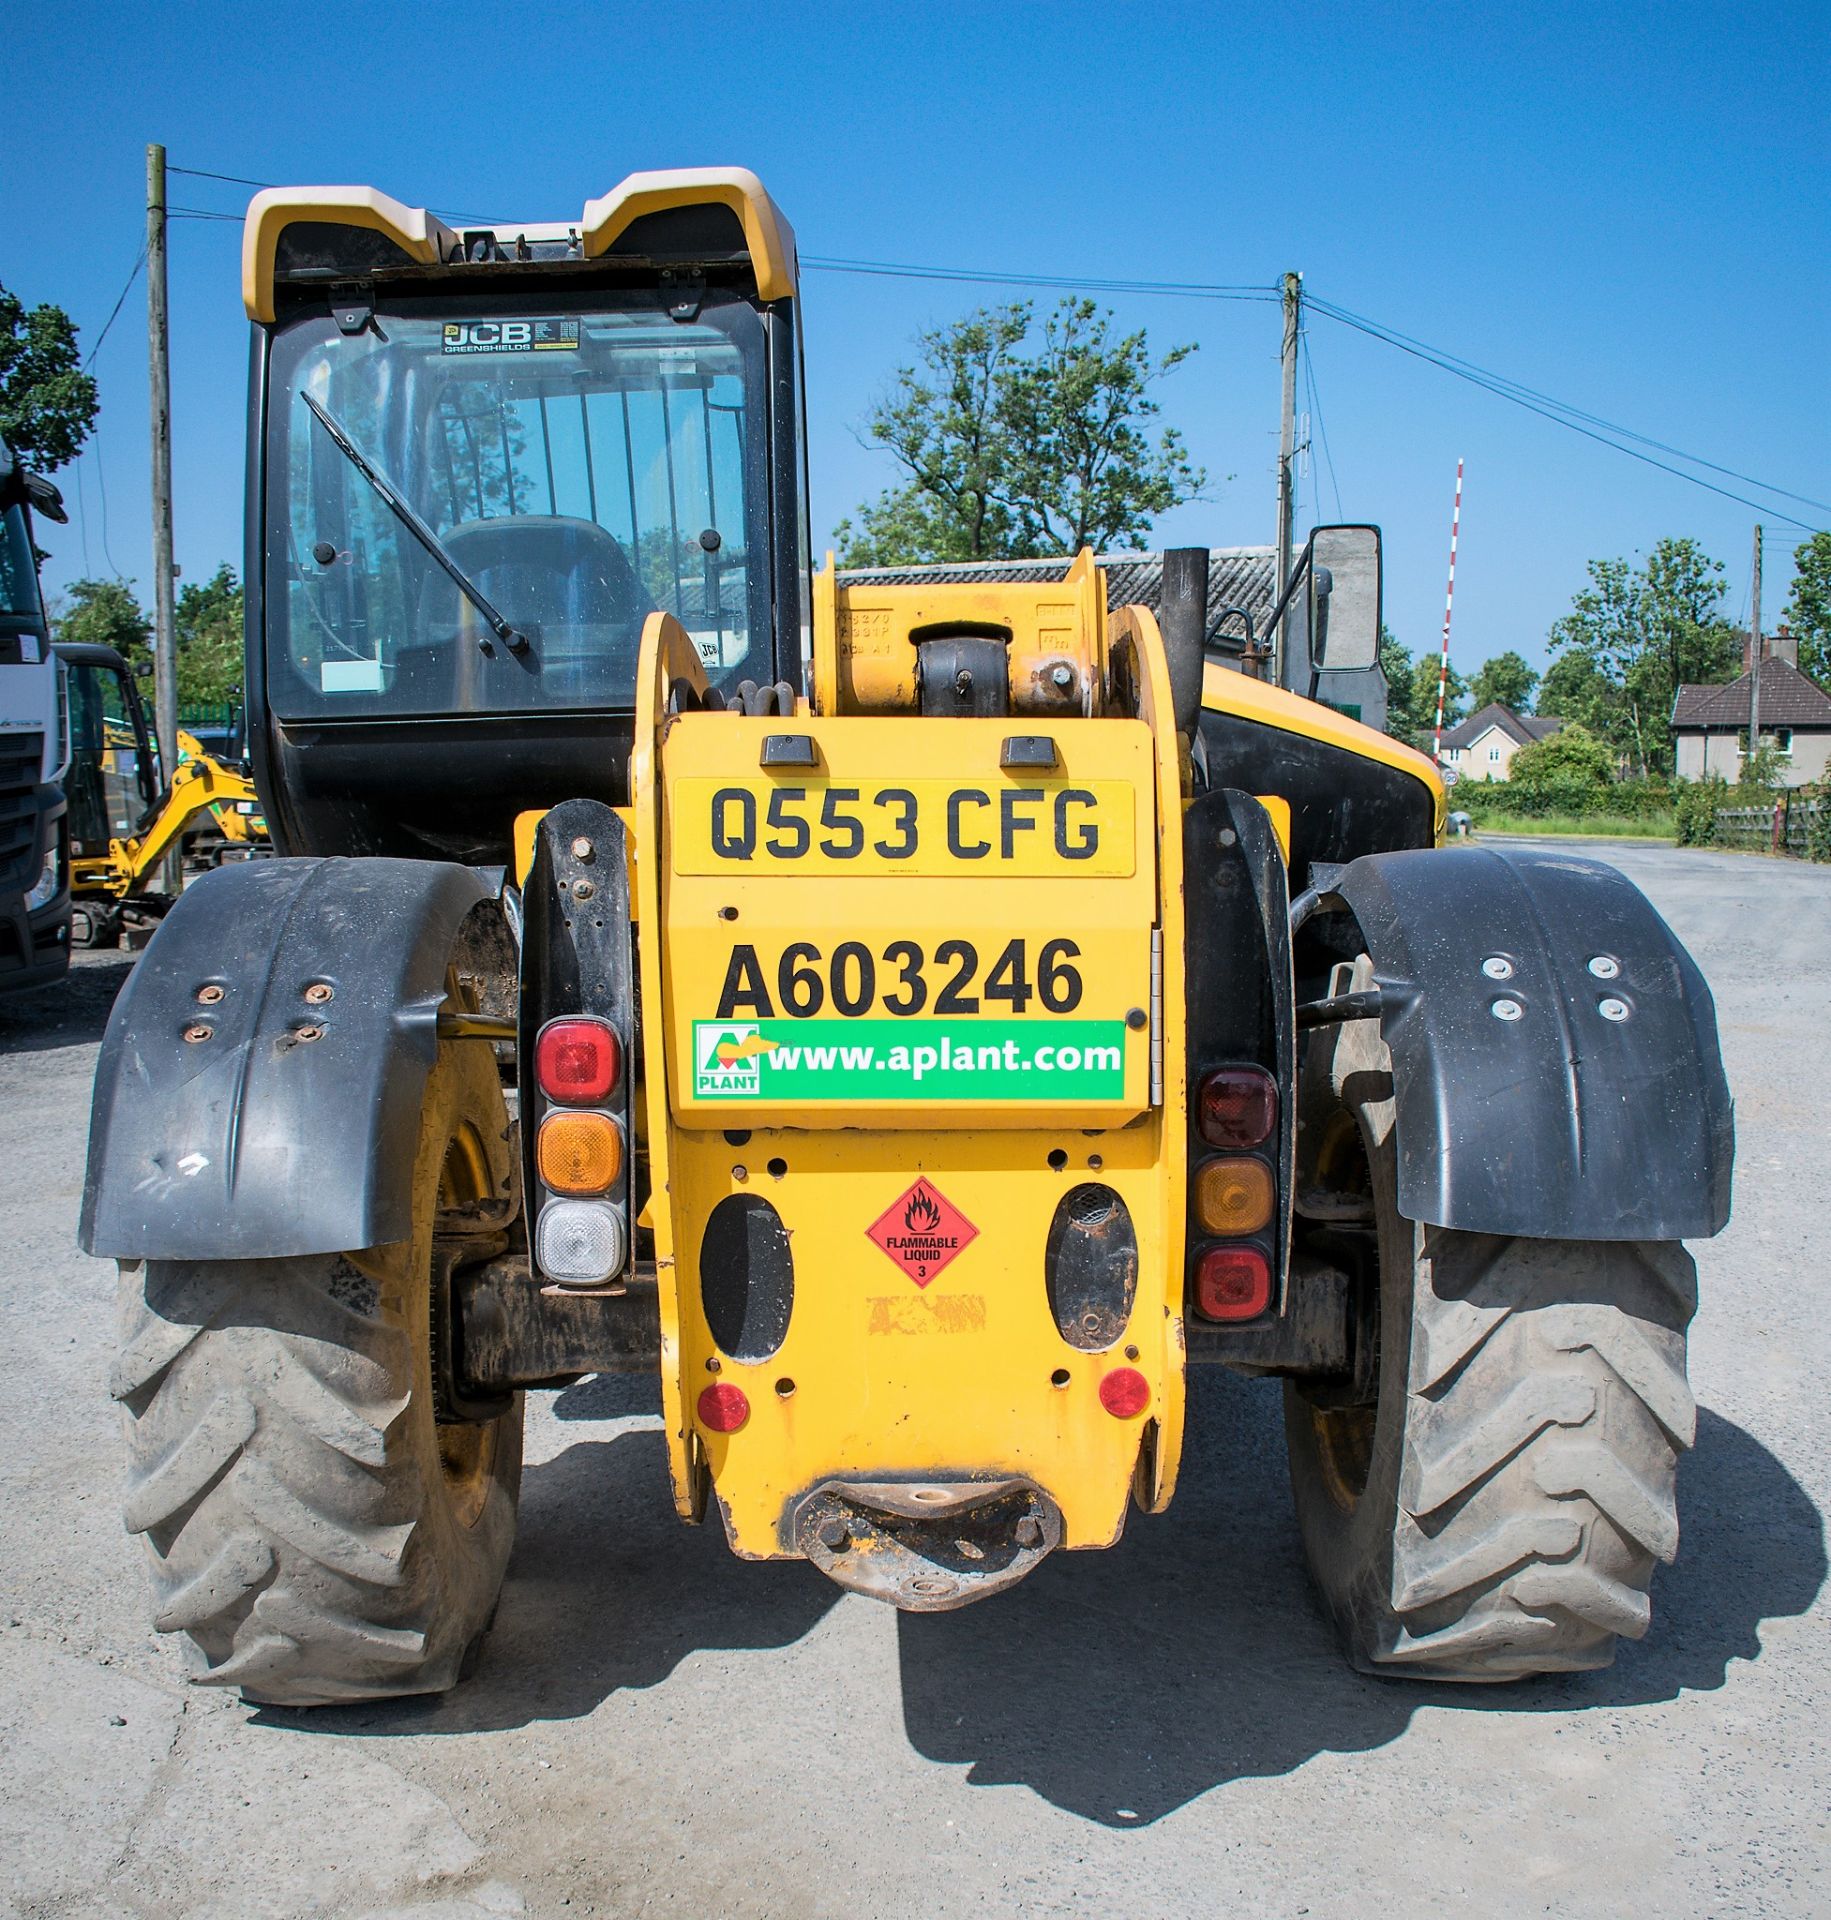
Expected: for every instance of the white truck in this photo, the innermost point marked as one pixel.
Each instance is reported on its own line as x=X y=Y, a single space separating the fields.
x=34 y=748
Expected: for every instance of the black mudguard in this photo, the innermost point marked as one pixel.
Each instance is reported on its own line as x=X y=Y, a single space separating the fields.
x=1558 y=1123
x=256 y=1138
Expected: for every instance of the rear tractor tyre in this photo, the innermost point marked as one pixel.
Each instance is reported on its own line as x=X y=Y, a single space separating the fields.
x=313 y=1527
x=1498 y=1504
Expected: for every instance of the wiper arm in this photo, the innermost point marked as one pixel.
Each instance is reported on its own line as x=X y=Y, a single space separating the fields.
x=511 y=637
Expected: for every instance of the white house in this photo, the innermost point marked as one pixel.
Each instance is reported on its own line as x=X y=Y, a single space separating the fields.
x=1482 y=746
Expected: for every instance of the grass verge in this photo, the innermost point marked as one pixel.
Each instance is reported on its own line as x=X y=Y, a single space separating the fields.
x=1653 y=826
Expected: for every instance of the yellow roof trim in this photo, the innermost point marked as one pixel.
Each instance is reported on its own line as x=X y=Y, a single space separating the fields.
x=768 y=236
x=1224 y=691
x=415 y=231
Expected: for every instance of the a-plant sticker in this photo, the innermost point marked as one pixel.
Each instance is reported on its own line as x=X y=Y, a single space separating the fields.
x=922 y=1232
x=835 y=1061
x=727 y=1056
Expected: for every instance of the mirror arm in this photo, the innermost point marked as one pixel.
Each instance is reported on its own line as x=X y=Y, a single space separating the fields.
x=1290 y=586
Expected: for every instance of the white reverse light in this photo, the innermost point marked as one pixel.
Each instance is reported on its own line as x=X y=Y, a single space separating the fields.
x=579 y=1243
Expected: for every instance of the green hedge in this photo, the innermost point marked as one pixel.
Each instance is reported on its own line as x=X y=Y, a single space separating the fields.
x=1512 y=800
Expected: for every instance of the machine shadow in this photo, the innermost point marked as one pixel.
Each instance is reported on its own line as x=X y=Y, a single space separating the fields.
x=1119 y=1686
x=70 y=1013
x=607 y=1590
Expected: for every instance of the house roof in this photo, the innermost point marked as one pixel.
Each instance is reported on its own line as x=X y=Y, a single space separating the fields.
x=1788 y=699
x=1521 y=729
x=1237 y=577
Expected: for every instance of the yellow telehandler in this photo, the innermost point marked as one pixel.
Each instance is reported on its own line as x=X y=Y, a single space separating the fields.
x=919 y=1022
x=125 y=822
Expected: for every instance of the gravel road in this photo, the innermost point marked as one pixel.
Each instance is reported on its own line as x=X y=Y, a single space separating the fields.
x=1163 y=1729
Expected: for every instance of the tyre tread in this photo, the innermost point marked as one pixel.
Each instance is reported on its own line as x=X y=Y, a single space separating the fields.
x=281 y=1526
x=1537 y=1479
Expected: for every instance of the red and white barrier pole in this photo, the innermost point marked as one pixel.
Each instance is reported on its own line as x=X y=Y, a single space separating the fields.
x=1443 y=674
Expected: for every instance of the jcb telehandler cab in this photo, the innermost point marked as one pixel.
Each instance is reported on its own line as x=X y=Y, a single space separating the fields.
x=919 y=1022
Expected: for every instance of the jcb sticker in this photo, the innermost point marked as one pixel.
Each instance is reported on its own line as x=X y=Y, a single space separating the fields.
x=511 y=336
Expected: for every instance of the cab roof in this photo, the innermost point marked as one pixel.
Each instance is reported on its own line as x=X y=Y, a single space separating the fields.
x=679 y=217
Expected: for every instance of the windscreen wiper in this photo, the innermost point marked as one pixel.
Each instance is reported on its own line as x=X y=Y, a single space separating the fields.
x=511 y=637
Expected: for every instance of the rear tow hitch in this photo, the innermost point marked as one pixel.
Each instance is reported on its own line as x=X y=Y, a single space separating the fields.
x=927 y=1546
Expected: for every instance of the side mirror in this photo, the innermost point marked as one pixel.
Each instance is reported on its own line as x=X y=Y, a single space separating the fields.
x=143 y=670
x=44 y=498
x=1344 y=573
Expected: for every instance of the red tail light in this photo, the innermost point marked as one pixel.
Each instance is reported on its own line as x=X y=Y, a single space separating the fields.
x=1238 y=1107
x=578 y=1062
x=723 y=1408
x=1232 y=1283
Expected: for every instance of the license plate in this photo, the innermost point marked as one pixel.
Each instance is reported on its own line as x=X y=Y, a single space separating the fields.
x=1055 y=828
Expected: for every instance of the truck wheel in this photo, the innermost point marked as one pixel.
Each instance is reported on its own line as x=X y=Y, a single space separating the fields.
x=1496 y=1503
x=313 y=1528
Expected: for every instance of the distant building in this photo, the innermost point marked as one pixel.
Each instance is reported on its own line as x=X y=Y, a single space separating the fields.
x=1482 y=746
x=1710 y=724
x=1242 y=590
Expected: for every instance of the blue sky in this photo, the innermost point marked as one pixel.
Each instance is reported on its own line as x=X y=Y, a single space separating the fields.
x=1625 y=208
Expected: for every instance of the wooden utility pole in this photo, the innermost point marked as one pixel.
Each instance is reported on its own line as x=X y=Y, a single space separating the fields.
x=158 y=360
x=1287 y=439
x=1754 y=655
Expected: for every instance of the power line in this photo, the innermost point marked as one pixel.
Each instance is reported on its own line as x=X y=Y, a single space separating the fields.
x=114 y=311
x=1563 y=415
x=241 y=180
x=203 y=173
x=1071 y=283
x=1322 y=432
x=1516 y=387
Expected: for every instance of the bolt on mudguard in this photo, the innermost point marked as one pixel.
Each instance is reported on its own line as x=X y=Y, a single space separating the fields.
x=1554 y=1048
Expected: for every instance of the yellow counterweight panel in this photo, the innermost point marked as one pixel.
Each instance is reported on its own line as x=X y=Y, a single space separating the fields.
x=879 y=1375
x=865 y=657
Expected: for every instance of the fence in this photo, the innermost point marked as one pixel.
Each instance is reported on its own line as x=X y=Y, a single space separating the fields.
x=1792 y=824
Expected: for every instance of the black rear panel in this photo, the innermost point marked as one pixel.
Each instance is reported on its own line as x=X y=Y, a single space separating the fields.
x=435 y=789
x=1342 y=804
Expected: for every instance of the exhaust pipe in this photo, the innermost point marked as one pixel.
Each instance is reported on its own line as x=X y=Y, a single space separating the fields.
x=1183 y=619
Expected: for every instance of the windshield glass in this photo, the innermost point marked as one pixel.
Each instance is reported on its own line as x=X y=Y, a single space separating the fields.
x=18 y=576
x=580 y=469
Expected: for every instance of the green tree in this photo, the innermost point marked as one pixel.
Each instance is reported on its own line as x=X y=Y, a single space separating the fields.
x=1425 y=674
x=1635 y=635
x=1808 y=607
x=1395 y=664
x=47 y=402
x=1575 y=688
x=209 y=635
x=1571 y=757
x=105 y=613
x=1507 y=679
x=1014 y=451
